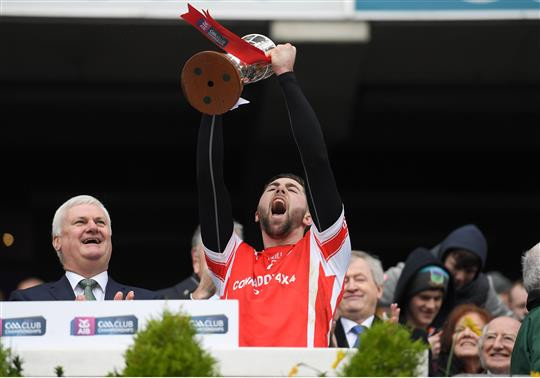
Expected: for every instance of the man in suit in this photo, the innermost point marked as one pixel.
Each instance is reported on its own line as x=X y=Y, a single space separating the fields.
x=363 y=288
x=81 y=236
x=199 y=284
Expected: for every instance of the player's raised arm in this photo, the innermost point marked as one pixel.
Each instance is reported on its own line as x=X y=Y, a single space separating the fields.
x=215 y=214
x=325 y=201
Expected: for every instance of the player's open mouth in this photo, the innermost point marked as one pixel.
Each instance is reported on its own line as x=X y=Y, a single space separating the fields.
x=278 y=207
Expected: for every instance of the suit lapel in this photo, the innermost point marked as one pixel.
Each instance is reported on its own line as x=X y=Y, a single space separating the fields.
x=112 y=288
x=341 y=338
x=61 y=290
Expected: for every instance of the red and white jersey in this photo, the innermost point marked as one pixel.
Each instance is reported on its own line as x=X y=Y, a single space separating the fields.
x=287 y=294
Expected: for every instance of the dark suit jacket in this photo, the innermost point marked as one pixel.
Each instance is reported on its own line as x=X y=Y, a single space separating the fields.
x=181 y=290
x=61 y=291
x=341 y=338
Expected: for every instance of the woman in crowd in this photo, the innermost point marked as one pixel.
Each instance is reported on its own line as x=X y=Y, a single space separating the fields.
x=459 y=341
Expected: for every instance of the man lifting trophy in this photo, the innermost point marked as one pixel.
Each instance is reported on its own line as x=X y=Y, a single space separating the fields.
x=288 y=292
x=212 y=82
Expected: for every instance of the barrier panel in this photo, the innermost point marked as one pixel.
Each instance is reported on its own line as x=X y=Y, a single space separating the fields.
x=108 y=324
x=90 y=338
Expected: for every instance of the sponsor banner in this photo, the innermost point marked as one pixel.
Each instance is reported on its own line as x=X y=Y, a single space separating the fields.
x=113 y=323
x=27 y=326
x=109 y=325
x=208 y=324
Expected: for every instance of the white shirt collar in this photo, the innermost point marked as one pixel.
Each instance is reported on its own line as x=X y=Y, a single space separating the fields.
x=348 y=324
x=99 y=291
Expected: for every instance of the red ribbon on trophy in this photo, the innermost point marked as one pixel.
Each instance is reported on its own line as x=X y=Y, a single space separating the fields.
x=224 y=38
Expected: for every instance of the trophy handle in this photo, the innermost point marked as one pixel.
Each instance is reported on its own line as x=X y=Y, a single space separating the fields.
x=211 y=83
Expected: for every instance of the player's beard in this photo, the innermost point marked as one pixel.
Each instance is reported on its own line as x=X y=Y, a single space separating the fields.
x=281 y=230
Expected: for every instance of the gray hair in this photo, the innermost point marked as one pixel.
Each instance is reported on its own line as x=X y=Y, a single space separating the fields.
x=374 y=264
x=60 y=214
x=196 y=240
x=531 y=268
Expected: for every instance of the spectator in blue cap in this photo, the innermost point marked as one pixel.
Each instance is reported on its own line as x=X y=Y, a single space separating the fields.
x=463 y=253
x=425 y=295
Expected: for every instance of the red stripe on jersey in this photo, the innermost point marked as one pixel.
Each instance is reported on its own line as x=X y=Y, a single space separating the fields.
x=323 y=309
x=331 y=246
x=339 y=298
x=218 y=268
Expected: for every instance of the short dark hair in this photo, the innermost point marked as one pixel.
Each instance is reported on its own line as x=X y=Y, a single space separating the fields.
x=465 y=259
x=292 y=176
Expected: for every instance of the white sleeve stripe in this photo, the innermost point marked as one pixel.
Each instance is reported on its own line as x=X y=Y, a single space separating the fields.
x=222 y=282
x=332 y=231
x=334 y=236
x=337 y=266
x=220 y=261
x=313 y=288
x=214 y=278
x=338 y=249
x=224 y=257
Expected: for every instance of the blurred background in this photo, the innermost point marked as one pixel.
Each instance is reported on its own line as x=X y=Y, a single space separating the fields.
x=431 y=113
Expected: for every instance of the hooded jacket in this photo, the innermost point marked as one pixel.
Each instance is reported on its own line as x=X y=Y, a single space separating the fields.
x=468 y=237
x=479 y=291
x=418 y=259
x=471 y=239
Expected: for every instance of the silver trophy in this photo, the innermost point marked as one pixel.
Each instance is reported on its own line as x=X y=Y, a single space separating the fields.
x=212 y=82
x=250 y=73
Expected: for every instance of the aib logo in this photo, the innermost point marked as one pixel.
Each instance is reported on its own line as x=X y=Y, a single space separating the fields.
x=83 y=326
x=110 y=325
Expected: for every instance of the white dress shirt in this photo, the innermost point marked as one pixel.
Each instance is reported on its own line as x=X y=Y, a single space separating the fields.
x=99 y=291
x=348 y=326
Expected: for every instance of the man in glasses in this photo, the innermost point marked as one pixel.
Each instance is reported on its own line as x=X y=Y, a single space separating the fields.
x=496 y=345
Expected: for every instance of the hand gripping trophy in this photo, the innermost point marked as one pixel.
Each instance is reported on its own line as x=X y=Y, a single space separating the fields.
x=212 y=82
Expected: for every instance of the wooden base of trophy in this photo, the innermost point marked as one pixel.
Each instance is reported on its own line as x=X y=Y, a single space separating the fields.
x=211 y=83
